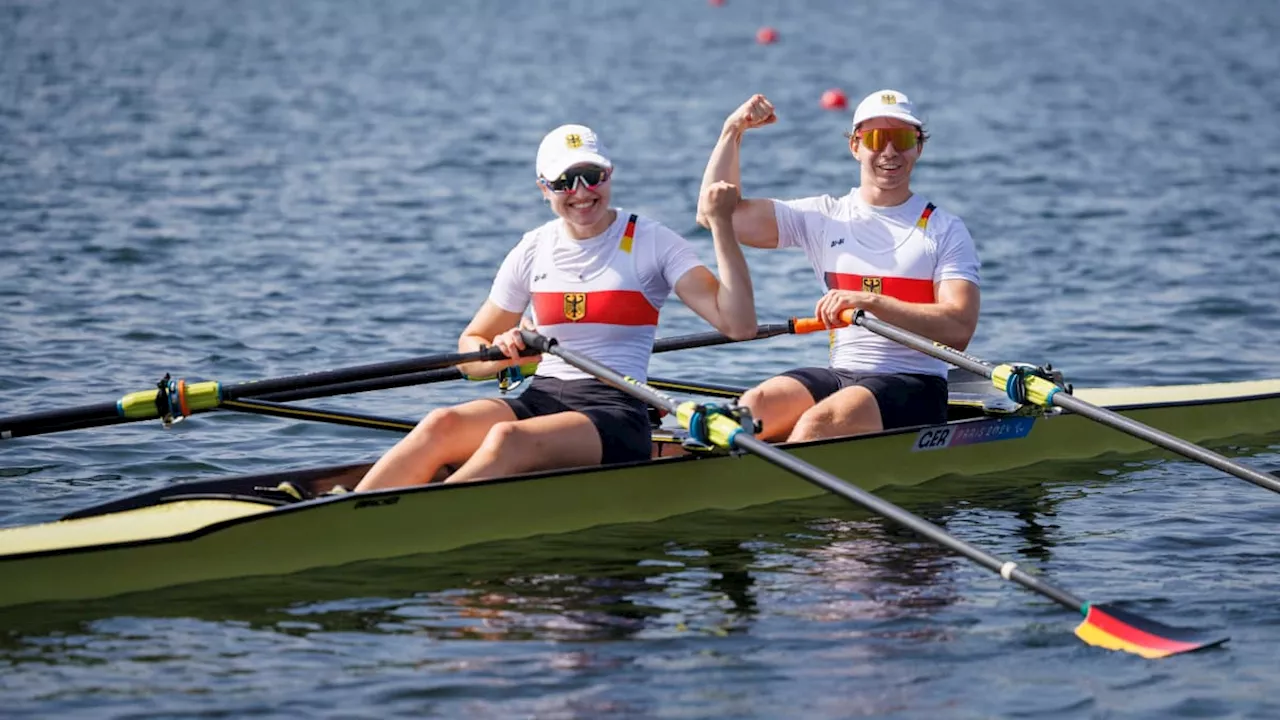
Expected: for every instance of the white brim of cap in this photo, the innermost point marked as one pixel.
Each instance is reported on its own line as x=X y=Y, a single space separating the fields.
x=905 y=117
x=579 y=158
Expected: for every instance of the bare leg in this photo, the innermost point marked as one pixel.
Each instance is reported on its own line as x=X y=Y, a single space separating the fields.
x=446 y=435
x=778 y=403
x=562 y=440
x=852 y=411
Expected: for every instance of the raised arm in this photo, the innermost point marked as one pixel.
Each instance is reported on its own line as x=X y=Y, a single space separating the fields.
x=728 y=303
x=753 y=219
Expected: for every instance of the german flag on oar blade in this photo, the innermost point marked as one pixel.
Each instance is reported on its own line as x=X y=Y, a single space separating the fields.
x=1115 y=629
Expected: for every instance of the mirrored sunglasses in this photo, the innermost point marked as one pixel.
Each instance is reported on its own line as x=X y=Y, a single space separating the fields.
x=877 y=139
x=582 y=176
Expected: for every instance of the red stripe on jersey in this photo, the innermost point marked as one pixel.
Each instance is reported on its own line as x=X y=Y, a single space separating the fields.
x=912 y=290
x=608 y=307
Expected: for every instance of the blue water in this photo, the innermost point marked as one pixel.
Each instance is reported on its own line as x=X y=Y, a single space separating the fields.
x=241 y=190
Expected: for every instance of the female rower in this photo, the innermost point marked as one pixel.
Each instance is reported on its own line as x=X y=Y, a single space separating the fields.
x=596 y=278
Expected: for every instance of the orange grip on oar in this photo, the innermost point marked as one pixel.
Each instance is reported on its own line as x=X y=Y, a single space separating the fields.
x=808 y=325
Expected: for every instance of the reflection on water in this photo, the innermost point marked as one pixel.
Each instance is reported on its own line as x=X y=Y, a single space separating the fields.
x=812 y=604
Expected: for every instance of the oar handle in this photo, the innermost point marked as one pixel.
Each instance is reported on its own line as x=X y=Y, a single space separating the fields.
x=537 y=342
x=802 y=326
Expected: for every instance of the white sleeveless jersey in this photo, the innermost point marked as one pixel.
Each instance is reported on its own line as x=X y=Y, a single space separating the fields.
x=599 y=297
x=900 y=251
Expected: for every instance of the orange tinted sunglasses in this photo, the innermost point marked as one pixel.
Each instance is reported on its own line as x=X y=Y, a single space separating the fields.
x=876 y=139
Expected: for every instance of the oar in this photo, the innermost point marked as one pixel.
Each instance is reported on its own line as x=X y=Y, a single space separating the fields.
x=694 y=387
x=1023 y=386
x=273 y=409
x=1103 y=626
x=425 y=377
x=794 y=326
x=175 y=398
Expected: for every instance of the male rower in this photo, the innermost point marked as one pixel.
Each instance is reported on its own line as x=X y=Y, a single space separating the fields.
x=881 y=248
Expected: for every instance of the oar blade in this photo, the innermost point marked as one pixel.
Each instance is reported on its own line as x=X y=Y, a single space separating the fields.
x=1110 y=627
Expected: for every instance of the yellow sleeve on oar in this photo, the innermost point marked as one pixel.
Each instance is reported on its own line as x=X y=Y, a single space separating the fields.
x=525 y=369
x=719 y=428
x=1039 y=391
x=196 y=396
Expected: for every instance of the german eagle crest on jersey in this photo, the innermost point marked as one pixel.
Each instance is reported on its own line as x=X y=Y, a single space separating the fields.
x=575 y=306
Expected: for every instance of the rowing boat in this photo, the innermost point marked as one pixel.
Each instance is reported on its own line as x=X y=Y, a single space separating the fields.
x=286 y=522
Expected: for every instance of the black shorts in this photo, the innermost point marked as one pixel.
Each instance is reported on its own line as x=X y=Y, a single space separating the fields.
x=904 y=399
x=621 y=420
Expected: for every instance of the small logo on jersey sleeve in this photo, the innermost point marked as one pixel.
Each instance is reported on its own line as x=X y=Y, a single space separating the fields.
x=575 y=306
x=873 y=285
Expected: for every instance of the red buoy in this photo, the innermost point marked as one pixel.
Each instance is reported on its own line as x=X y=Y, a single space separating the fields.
x=715 y=3
x=766 y=36
x=834 y=99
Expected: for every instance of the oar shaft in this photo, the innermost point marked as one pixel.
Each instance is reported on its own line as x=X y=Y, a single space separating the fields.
x=1067 y=401
x=304 y=381
x=209 y=395
x=915 y=523
x=698 y=388
x=709 y=339
x=925 y=345
x=46 y=421
x=395 y=381
x=1163 y=439
x=262 y=407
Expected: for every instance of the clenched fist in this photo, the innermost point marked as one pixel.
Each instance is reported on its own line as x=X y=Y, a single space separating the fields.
x=753 y=113
x=719 y=200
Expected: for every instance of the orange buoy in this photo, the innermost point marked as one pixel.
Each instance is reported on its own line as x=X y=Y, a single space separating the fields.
x=766 y=36
x=834 y=99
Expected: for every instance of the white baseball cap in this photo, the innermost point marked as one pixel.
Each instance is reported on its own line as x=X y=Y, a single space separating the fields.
x=886 y=103
x=570 y=145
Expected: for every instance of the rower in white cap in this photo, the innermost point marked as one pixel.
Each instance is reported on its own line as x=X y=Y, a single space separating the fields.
x=881 y=248
x=595 y=278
